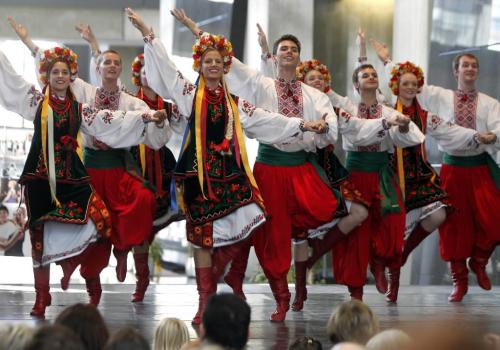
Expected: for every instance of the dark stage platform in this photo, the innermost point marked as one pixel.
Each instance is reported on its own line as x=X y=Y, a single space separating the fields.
x=416 y=306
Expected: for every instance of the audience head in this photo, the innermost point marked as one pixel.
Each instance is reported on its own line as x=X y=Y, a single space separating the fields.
x=352 y=321
x=87 y=323
x=226 y=321
x=306 y=343
x=15 y=337
x=127 y=339
x=54 y=337
x=390 y=339
x=171 y=334
x=348 y=346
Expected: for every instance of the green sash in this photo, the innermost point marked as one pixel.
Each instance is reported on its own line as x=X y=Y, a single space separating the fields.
x=377 y=162
x=473 y=161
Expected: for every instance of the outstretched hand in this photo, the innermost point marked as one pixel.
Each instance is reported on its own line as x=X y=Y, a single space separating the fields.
x=262 y=38
x=486 y=138
x=20 y=30
x=318 y=126
x=381 y=49
x=158 y=116
x=138 y=22
x=180 y=15
x=85 y=32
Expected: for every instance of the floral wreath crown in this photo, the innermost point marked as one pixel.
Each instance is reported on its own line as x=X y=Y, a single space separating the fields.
x=403 y=68
x=137 y=65
x=53 y=55
x=210 y=41
x=306 y=66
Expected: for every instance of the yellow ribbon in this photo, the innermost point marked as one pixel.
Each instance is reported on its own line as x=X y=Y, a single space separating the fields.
x=197 y=130
x=142 y=155
x=79 y=148
x=399 y=156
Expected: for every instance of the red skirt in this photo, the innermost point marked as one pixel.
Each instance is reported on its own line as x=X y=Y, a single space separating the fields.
x=378 y=235
x=294 y=196
x=130 y=204
x=475 y=220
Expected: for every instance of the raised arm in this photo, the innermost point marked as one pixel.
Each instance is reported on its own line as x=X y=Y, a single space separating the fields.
x=22 y=33
x=163 y=76
x=181 y=16
x=361 y=41
x=16 y=94
x=268 y=62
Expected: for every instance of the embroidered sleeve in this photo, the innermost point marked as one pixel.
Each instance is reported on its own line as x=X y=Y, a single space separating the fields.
x=88 y=114
x=247 y=107
x=435 y=121
x=35 y=96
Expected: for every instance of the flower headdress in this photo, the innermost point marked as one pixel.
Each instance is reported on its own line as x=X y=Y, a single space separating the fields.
x=53 y=55
x=403 y=68
x=209 y=41
x=137 y=65
x=305 y=67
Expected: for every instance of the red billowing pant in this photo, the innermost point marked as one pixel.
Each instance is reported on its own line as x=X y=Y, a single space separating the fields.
x=294 y=196
x=475 y=220
x=131 y=205
x=378 y=236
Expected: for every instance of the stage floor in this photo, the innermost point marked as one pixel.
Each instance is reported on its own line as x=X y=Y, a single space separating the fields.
x=416 y=306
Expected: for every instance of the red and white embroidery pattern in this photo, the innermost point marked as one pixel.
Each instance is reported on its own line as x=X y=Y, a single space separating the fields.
x=465 y=109
x=88 y=114
x=247 y=107
x=290 y=100
x=370 y=112
x=36 y=96
x=107 y=99
x=435 y=122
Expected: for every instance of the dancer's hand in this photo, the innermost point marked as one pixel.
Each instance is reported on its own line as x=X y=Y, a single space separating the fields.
x=264 y=46
x=399 y=120
x=360 y=40
x=138 y=22
x=180 y=15
x=88 y=35
x=486 y=138
x=22 y=33
x=158 y=116
x=99 y=144
x=381 y=50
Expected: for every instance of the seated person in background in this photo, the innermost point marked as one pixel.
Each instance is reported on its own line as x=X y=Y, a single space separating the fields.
x=348 y=346
x=127 y=339
x=390 y=339
x=306 y=343
x=10 y=243
x=54 y=337
x=15 y=337
x=171 y=334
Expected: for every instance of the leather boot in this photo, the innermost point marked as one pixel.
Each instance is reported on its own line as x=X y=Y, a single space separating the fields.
x=282 y=297
x=322 y=246
x=94 y=289
x=121 y=264
x=477 y=264
x=356 y=292
x=393 y=287
x=68 y=266
x=206 y=287
x=236 y=274
x=300 y=285
x=142 y=276
x=222 y=256
x=416 y=237
x=42 y=288
x=459 y=275
x=377 y=267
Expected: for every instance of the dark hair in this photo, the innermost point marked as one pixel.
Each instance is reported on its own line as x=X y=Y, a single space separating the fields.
x=226 y=320
x=359 y=69
x=4 y=208
x=54 y=337
x=306 y=343
x=456 y=60
x=100 y=58
x=127 y=338
x=86 y=322
x=289 y=37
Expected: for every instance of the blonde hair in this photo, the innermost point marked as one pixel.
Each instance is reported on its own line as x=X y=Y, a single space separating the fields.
x=171 y=334
x=390 y=339
x=352 y=321
x=15 y=337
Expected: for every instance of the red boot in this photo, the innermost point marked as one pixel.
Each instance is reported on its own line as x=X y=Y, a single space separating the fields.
x=300 y=285
x=356 y=292
x=42 y=288
x=477 y=264
x=236 y=274
x=377 y=267
x=322 y=246
x=459 y=275
x=94 y=289
x=121 y=264
x=416 y=237
x=223 y=255
x=282 y=296
x=393 y=287
x=68 y=266
x=142 y=276
x=206 y=287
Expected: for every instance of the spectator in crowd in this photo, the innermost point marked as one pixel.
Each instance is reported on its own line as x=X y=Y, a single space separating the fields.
x=15 y=337
x=87 y=323
x=352 y=321
x=390 y=339
x=127 y=339
x=54 y=337
x=171 y=334
x=11 y=196
x=306 y=343
x=11 y=236
x=348 y=346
